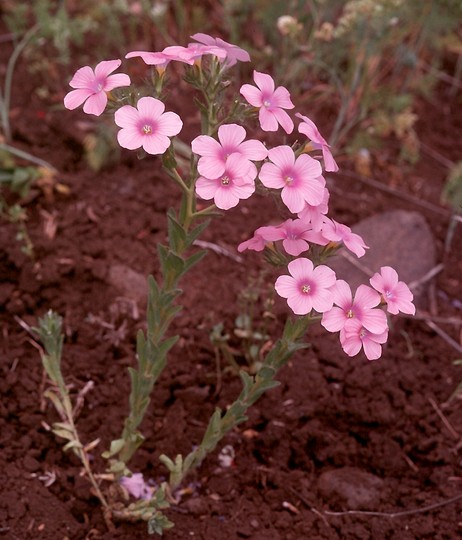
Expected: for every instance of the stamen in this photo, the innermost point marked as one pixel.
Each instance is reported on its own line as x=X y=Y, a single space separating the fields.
x=306 y=289
x=350 y=314
x=267 y=103
x=224 y=180
x=288 y=179
x=147 y=129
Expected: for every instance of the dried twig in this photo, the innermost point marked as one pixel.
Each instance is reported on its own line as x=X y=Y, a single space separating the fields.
x=452 y=342
x=395 y=514
x=218 y=249
x=364 y=269
x=443 y=418
x=392 y=191
x=427 y=277
x=310 y=507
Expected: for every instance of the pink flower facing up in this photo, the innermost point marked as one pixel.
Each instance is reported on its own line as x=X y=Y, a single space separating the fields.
x=396 y=294
x=357 y=337
x=361 y=309
x=233 y=52
x=308 y=128
x=231 y=140
x=136 y=486
x=270 y=101
x=237 y=182
x=300 y=179
x=91 y=86
x=147 y=126
x=307 y=287
x=337 y=232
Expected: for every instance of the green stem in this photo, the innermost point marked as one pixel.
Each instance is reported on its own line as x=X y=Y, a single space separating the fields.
x=253 y=389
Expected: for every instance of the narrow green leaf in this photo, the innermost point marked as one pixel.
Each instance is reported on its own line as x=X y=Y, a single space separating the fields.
x=197 y=231
x=194 y=259
x=176 y=233
x=247 y=381
x=115 y=447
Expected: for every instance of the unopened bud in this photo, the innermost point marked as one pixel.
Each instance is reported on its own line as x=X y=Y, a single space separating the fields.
x=288 y=25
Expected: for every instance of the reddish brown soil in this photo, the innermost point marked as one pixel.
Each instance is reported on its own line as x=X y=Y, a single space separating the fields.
x=329 y=412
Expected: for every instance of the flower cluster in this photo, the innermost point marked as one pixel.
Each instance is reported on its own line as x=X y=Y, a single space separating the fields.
x=228 y=166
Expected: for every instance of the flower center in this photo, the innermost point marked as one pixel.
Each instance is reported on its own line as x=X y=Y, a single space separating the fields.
x=350 y=314
x=224 y=180
x=266 y=103
x=147 y=129
x=288 y=179
x=363 y=333
x=306 y=289
x=388 y=294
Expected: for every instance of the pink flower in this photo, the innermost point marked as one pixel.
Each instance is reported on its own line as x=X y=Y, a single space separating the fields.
x=337 y=232
x=136 y=486
x=161 y=59
x=270 y=101
x=315 y=214
x=147 y=125
x=308 y=127
x=92 y=86
x=214 y=153
x=307 y=287
x=300 y=179
x=256 y=243
x=236 y=182
x=396 y=294
x=295 y=235
x=233 y=52
x=360 y=309
x=357 y=337
x=197 y=50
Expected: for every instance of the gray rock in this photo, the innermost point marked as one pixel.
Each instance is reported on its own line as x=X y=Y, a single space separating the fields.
x=398 y=238
x=129 y=282
x=357 y=489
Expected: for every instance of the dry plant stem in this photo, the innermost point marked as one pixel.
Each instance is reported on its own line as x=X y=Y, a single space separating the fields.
x=445 y=421
x=395 y=514
x=79 y=449
x=452 y=342
x=50 y=333
x=405 y=196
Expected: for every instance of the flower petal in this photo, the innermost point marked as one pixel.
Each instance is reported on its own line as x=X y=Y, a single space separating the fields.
x=130 y=138
x=83 y=78
x=127 y=117
x=264 y=81
x=150 y=108
x=115 y=81
x=156 y=144
x=168 y=124
x=96 y=104
x=104 y=68
x=75 y=98
x=252 y=95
